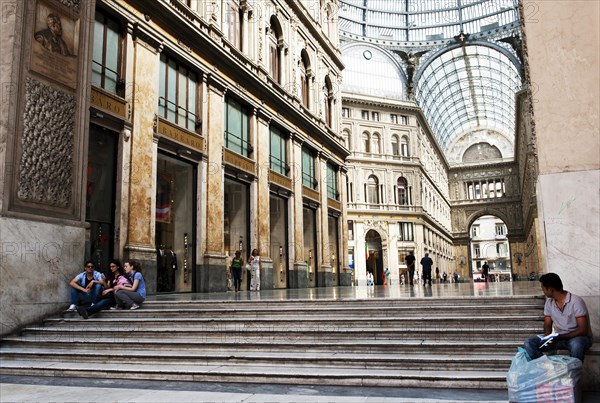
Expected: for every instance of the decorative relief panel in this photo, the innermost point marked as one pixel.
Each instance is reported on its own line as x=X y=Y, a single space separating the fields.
x=72 y=4
x=46 y=165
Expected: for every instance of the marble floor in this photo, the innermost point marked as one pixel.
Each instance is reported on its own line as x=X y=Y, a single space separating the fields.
x=517 y=288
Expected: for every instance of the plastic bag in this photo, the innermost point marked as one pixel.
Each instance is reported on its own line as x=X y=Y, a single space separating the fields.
x=547 y=379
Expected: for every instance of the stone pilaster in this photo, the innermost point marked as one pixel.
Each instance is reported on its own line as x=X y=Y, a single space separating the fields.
x=263 y=223
x=211 y=274
x=325 y=272
x=299 y=270
x=143 y=155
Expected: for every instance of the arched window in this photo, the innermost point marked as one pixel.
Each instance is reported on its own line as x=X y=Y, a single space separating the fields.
x=366 y=142
x=395 y=145
x=347 y=139
x=328 y=101
x=404 y=146
x=305 y=76
x=275 y=39
x=402 y=188
x=375 y=144
x=373 y=190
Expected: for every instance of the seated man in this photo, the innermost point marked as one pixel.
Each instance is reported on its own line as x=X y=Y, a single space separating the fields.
x=86 y=286
x=567 y=315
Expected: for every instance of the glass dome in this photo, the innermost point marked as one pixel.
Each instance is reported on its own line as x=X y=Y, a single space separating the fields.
x=372 y=71
x=424 y=20
x=466 y=89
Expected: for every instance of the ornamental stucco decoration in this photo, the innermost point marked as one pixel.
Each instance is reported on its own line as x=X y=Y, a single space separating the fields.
x=72 y=4
x=46 y=166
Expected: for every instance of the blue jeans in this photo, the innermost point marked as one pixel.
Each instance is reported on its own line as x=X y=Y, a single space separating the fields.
x=104 y=303
x=576 y=346
x=80 y=297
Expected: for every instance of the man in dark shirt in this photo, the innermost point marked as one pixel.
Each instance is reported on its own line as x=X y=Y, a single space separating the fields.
x=426 y=262
x=485 y=271
x=410 y=263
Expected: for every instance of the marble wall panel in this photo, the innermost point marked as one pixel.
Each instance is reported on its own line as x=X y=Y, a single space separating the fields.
x=569 y=207
x=37 y=261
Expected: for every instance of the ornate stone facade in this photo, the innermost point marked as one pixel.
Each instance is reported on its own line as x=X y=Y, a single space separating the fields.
x=46 y=166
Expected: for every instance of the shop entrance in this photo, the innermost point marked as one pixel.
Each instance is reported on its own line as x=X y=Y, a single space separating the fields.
x=374 y=256
x=100 y=194
x=175 y=224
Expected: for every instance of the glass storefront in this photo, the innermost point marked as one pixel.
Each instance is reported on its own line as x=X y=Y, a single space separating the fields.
x=175 y=224
x=278 y=246
x=310 y=244
x=236 y=224
x=100 y=194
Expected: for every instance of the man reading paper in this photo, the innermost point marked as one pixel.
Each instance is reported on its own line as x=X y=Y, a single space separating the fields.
x=565 y=314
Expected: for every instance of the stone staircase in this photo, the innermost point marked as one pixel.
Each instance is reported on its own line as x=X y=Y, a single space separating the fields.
x=458 y=342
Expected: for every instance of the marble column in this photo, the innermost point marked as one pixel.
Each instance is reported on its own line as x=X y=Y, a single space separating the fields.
x=325 y=273
x=142 y=180
x=262 y=219
x=299 y=271
x=211 y=270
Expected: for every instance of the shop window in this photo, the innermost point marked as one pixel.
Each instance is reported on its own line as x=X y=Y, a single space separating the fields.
x=237 y=118
x=177 y=93
x=106 y=58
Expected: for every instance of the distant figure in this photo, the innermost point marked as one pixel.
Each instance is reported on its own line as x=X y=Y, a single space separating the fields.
x=485 y=269
x=437 y=273
x=456 y=277
x=236 y=270
x=410 y=263
x=386 y=276
x=51 y=37
x=426 y=262
x=254 y=262
x=565 y=314
x=402 y=279
x=370 y=280
x=445 y=277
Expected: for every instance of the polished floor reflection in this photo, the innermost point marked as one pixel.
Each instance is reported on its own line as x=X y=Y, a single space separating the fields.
x=441 y=290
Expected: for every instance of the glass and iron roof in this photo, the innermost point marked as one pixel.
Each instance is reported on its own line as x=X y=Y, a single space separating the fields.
x=423 y=20
x=461 y=87
x=466 y=89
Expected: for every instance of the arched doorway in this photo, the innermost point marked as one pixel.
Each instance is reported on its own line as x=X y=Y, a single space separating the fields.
x=374 y=255
x=488 y=245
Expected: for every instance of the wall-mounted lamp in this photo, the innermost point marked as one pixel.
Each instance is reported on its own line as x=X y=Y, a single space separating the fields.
x=310 y=274
x=241 y=246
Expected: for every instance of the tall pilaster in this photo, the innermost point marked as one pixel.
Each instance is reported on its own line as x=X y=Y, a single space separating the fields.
x=299 y=271
x=211 y=274
x=142 y=185
x=263 y=223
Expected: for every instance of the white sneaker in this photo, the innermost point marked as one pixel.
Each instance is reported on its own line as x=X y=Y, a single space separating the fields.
x=134 y=306
x=72 y=308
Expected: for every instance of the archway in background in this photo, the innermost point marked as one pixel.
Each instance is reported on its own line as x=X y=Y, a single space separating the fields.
x=488 y=242
x=374 y=255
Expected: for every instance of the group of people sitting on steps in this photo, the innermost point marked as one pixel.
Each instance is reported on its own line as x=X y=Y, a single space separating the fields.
x=122 y=288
